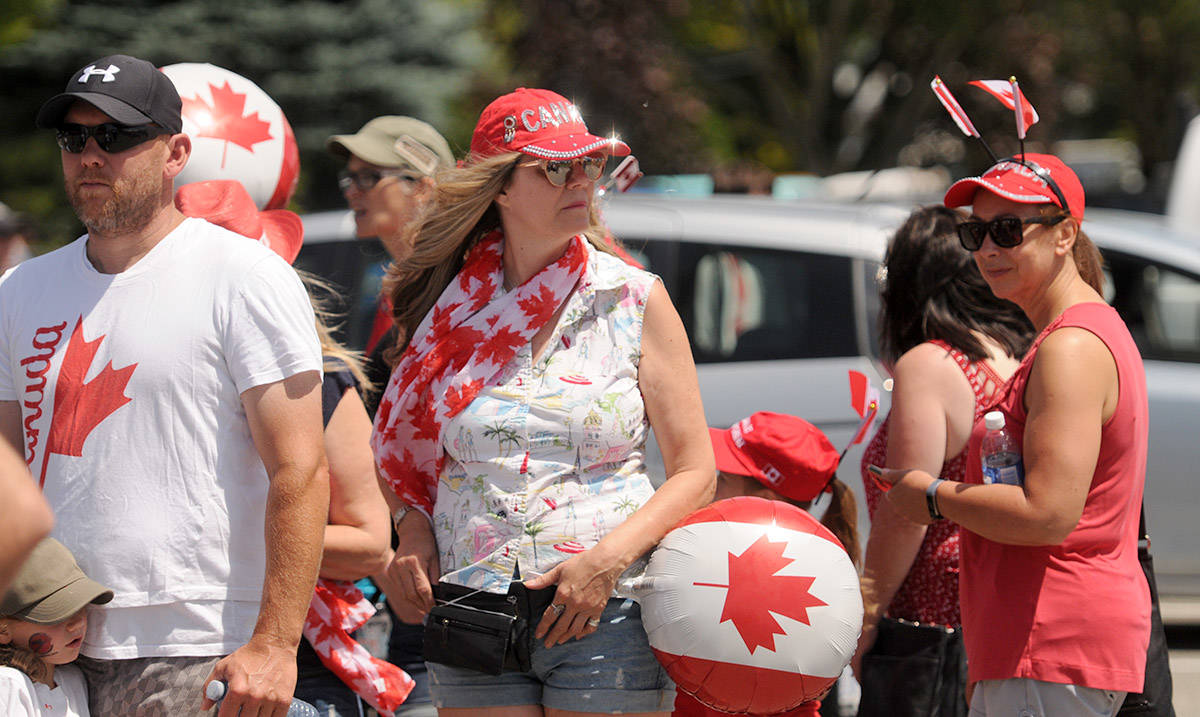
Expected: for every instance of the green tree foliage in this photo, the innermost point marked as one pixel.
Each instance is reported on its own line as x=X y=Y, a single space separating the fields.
x=330 y=65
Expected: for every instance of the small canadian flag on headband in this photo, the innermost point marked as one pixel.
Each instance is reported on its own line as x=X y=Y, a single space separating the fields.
x=1010 y=95
x=864 y=399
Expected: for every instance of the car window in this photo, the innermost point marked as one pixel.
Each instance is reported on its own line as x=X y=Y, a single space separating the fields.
x=753 y=304
x=1160 y=305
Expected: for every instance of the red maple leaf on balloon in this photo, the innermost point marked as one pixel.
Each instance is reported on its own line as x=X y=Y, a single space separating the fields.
x=756 y=591
x=80 y=406
x=225 y=119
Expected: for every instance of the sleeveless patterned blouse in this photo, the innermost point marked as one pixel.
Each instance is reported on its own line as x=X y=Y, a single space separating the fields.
x=929 y=593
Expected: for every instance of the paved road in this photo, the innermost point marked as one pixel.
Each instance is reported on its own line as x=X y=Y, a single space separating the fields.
x=1185 y=676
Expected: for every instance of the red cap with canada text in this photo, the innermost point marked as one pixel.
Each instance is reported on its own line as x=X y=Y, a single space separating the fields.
x=785 y=453
x=539 y=123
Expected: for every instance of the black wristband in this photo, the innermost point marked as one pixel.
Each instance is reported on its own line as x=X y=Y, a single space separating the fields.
x=931 y=499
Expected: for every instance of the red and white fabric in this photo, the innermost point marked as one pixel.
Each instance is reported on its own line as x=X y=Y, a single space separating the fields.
x=462 y=342
x=337 y=609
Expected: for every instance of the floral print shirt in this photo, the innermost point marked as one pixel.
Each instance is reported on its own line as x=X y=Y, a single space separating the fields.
x=549 y=458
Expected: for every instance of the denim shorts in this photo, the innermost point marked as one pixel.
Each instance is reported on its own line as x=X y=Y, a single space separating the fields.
x=610 y=671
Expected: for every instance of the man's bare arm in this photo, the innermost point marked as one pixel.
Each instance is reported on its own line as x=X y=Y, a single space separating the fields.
x=285 y=423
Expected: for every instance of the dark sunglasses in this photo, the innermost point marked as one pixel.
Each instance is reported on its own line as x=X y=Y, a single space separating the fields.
x=366 y=179
x=1006 y=232
x=110 y=136
x=559 y=170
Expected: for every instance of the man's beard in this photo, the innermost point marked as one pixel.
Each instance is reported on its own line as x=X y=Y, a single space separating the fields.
x=134 y=201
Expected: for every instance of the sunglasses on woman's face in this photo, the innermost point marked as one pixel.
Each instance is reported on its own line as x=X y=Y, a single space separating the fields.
x=110 y=136
x=559 y=170
x=366 y=179
x=1007 y=231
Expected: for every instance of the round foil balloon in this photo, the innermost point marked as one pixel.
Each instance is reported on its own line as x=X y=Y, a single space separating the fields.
x=751 y=605
x=237 y=132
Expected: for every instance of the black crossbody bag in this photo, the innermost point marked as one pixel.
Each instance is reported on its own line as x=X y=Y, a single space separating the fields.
x=485 y=632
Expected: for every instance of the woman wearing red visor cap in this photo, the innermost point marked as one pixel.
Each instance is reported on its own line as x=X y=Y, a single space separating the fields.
x=1055 y=609
x=512 y=430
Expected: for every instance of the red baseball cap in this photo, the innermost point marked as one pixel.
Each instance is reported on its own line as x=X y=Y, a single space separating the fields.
x=1027 y=179
x=226 y=203
x=785 y=453
x=540 y=123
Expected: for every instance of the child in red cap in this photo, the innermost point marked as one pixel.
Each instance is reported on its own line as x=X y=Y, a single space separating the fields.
x=781 y=457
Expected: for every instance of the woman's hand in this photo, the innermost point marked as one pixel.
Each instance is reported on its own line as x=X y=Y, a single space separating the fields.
x=585 y=584
x=907 y=492
x=414 y=567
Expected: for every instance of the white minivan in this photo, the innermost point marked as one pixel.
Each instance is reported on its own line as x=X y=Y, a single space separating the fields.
x=779 y=299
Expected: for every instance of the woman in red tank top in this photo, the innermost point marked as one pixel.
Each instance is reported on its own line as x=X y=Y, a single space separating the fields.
x=950 y=345
x=1055 y=608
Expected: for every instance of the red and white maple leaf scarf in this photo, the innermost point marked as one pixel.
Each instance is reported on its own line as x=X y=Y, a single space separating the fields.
x=338 y=608
x=459 y=346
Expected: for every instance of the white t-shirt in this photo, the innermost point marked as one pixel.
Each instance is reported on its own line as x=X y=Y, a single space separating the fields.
x=129 y=386
x=22 y=697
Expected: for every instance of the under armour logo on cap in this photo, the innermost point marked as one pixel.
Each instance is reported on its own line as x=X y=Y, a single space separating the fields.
x=110 y=75
x=142 y=96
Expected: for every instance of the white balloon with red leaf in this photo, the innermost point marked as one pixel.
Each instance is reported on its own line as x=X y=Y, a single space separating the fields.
x=238 y=132
x=751 y=605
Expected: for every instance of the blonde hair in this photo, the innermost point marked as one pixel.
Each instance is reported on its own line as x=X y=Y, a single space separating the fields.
x=462 y=212
x=337 y=357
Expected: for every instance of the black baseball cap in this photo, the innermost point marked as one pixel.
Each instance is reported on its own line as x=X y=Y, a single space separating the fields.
x=129 y=90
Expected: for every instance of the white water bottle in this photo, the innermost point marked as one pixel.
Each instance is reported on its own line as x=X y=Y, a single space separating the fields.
x=216 y=689
x=1001 y=456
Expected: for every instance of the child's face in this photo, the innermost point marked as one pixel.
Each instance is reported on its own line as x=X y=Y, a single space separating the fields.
x=56 y=644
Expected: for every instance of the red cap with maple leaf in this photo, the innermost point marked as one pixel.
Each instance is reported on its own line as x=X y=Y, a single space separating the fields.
x=540 y=123
x=785 y=453
x=129 y=90
x=1027 y=179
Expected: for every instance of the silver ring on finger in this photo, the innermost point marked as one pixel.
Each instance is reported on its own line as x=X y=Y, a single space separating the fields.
x=558 y=608
x=593 y=622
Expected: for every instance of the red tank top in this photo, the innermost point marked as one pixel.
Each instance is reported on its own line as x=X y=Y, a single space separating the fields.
x=1078 y=612
x=929 y=593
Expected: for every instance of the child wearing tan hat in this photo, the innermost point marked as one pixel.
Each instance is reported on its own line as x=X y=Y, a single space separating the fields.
x=780 y=457
x=43 y=618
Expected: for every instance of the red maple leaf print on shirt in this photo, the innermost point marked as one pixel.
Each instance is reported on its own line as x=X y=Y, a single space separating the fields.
x=225 y=119
x=78 y=406
x=756 y=591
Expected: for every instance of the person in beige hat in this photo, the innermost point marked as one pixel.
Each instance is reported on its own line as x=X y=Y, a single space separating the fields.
x=389 y=178
x=43 y=618
x=389 y=175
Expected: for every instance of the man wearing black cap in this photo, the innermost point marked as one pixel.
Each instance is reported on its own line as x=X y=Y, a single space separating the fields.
x=163 y=377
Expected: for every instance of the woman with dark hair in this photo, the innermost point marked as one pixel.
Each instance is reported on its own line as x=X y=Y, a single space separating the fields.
x=1056 y=609
x=950 y=344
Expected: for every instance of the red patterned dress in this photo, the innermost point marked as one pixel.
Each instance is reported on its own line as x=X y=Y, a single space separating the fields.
x=929 y=593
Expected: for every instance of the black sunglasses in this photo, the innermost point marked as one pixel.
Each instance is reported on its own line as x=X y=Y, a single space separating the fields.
x=1006 y=232
x=559 y=170
x=110 y=136
x=366 y=179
